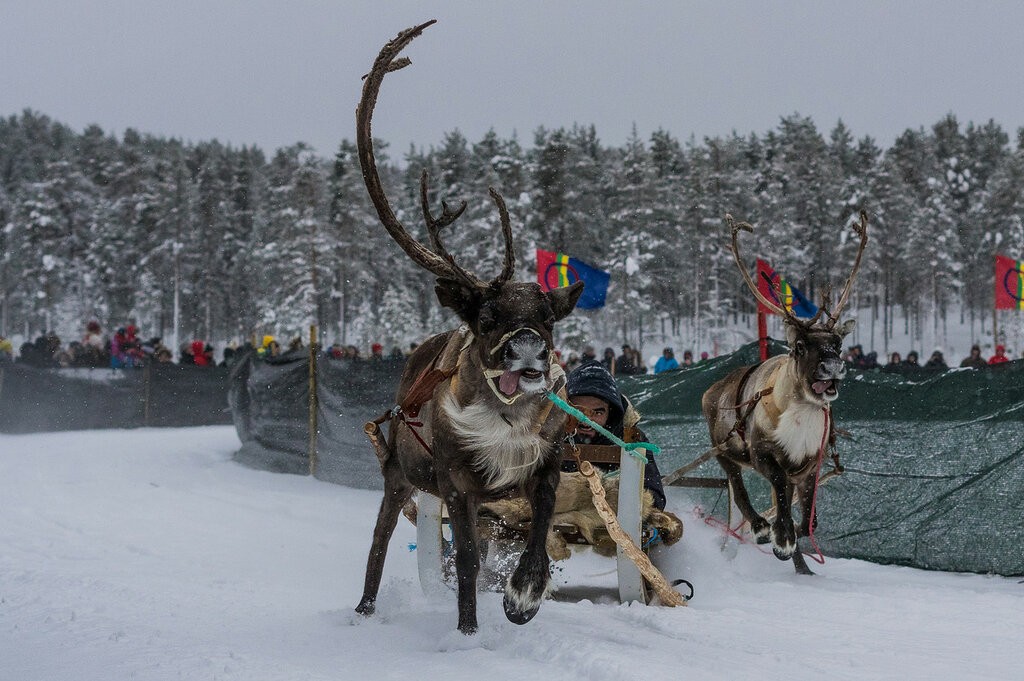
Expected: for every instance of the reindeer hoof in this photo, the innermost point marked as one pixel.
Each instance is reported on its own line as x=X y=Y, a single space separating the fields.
x=366 y=608
x=517 y=614
x=781 y=553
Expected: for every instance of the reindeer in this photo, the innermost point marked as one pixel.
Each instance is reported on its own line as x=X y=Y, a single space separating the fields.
x=486 y=430
x=775 y=417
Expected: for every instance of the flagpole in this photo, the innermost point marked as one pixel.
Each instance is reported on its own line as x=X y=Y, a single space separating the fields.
x=995 y=304
x=762 y=331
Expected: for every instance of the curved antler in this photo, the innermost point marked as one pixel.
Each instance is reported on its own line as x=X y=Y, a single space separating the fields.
x=861 y=229
x=734 y=228
x=509 y=267
x=436 y=259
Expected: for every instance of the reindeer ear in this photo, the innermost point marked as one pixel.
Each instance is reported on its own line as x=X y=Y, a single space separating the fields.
x=456 y=296
x=563 y=300
x=846 y=327
x=791 y=334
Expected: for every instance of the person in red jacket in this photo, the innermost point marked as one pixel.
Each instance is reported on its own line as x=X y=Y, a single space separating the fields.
x=1000 y=355
x=199 y=354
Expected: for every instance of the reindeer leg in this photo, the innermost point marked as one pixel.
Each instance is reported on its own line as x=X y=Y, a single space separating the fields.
x=397 y=491
x=758 y=526
x=462 y=511
x=805 y=494
x=529 y=584
x=783 y=533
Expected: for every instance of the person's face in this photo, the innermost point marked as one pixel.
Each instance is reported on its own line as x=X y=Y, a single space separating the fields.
x=595 y=408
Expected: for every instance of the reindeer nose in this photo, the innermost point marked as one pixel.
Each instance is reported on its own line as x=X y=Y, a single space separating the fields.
x=836 y=368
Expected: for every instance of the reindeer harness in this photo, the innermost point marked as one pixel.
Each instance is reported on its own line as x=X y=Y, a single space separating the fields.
x=436 y=373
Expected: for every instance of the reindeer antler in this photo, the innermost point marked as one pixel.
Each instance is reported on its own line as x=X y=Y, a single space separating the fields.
x=861 y=229
x=436 y=259
x=734 y=228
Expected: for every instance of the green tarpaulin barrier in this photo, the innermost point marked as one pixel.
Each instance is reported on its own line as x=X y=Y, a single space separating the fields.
x=934 y=462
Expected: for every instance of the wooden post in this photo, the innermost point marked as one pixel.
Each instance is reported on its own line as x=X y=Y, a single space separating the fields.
x=145 y=401
x=762 y=332
x=312 y=400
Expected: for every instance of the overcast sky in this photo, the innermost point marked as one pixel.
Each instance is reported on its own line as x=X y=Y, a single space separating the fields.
x=273 y=73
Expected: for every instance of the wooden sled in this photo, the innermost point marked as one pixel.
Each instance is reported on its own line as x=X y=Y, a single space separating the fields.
x=431 y=517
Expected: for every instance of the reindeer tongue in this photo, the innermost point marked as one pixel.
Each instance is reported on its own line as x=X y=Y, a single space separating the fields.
x=821 y=386
x=508 y=383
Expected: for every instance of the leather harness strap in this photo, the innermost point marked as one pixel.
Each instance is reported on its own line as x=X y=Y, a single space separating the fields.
x=741 y=418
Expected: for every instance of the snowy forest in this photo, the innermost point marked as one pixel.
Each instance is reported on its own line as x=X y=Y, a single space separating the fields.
x=127 y=230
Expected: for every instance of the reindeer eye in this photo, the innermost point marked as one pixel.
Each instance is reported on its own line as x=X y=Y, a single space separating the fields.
x=486 y=317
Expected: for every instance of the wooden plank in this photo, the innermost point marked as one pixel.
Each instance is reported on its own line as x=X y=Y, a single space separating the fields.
x=631 y=487
x=593 y=453
x=709 y=483
x=428 y=543
x=682 y=471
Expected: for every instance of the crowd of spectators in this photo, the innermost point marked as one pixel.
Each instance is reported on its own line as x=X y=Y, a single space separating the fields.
x=897 y=364
x=124 y=349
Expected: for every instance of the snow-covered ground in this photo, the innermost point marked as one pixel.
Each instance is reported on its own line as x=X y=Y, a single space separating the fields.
x=150 y=554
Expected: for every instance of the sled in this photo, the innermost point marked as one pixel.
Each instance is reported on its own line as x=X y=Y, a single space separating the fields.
x=431 y=520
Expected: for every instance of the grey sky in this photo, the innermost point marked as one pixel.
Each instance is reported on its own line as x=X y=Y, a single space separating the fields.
x=273 y=73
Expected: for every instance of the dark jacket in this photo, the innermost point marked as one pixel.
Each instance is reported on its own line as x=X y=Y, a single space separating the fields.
x=592 y=379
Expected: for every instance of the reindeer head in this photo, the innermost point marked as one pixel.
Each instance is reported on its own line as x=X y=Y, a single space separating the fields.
x=814 y=345
x=512 y=322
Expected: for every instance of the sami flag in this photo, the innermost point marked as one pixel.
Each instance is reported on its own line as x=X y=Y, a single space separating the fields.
x=555 y=270
x=1009 y=283
x=774 y=287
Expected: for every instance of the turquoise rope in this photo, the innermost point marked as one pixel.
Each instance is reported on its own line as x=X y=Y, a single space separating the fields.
x=580 y=416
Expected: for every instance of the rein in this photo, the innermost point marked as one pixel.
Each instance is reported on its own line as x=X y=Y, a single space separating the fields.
x=580 y=416
x=819 y=559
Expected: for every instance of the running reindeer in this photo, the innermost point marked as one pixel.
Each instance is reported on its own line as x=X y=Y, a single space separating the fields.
x=474 y=424
x=775 y=417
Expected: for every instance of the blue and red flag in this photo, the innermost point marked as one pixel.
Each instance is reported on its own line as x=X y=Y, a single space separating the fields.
x=556 y=269
x=775 y=288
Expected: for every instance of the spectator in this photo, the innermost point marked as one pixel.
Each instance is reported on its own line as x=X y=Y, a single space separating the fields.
x=895 y=364
x=163 y=355
x=624 y=363
x=666 y=362
x=1000 y=355
x=199 y=355
x=186 y=356
x=704 y=356
x=119 y=345
x=608 y=361
x=93 y=347
x=592 y=389
x=638 y=363
x=396 y=353
x=936 y=362
x=853 y=354
x=589 y=354
x=688 y=358
x=412 y=347
x=911 y=361
x=974 y=360
x=376 y=351
x=230 y=352
x=6 y=350
x=295 y=344
x=868 y=361
x=353 y=352
x=573 y=363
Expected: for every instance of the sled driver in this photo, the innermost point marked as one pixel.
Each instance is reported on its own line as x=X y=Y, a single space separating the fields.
x=592 y=389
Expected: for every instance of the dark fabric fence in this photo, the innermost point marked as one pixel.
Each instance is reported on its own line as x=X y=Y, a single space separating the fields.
x=38 y=400
x=270 y=401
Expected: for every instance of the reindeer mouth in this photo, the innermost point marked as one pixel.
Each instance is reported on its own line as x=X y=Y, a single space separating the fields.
x=508 y=382
x=828 y=389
